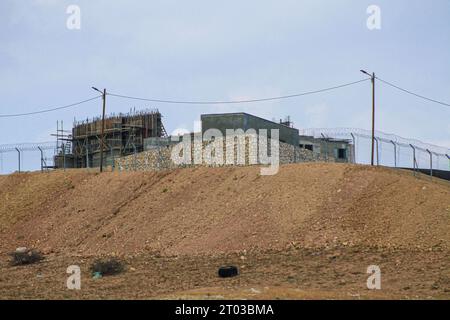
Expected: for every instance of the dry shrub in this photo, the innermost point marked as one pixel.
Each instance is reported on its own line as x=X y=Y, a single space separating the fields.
x=25 y=257
x=107 y=267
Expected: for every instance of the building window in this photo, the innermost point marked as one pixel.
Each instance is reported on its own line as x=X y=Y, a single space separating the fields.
x=342 y=153
x=309 y=147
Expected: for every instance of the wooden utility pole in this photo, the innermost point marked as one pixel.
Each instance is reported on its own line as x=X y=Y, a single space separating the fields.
x=102 y=138
x=102 y=143
x=373 y=118
x=372 y=78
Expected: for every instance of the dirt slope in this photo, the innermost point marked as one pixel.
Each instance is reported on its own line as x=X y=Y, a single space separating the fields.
x=212 y=210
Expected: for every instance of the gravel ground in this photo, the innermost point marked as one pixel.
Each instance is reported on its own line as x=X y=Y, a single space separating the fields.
x=336 y=273
x=309 y=231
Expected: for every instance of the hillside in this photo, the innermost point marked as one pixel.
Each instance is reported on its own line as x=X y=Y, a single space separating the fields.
x=213 y=210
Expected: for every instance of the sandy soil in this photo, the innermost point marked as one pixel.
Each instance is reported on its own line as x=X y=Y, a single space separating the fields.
x=338 y=273
x=308 y=232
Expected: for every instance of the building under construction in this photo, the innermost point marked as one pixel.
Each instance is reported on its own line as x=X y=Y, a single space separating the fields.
x=124 y=135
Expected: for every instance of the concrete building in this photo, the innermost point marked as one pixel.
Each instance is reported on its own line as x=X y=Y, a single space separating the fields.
x=247 y=121
x=325 y=148
x=339 y=150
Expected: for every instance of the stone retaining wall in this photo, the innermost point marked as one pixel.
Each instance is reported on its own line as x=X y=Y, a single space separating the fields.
x=160 y=158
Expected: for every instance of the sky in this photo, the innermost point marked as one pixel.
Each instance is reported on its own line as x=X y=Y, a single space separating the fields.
x=227 y=50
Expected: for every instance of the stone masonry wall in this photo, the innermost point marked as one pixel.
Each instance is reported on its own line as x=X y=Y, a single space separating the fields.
x=159 y=158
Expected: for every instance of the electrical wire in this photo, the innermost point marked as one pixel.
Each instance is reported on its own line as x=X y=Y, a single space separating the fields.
x=414 y=94
x=237 y=101
x=47 y=110
x=223 y=102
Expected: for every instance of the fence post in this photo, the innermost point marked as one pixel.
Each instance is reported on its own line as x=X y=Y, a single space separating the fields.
x=134 y=158
x=354 y=147
x=87 y=156
x=414 y=159
x=64 y=156
x=431 y=163
x=112 y=159
x=378 y=160
x=19 y=157
x=42 y=159
x=326 y=144
x=448 y=157
x=395 y=153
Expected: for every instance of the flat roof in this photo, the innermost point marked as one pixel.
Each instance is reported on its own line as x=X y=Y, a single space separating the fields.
x=247 y=114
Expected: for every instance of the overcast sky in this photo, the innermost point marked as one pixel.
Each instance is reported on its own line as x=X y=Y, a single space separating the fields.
x=222 y=50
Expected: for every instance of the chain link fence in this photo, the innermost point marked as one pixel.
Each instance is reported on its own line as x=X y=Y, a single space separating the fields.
x=390 y=150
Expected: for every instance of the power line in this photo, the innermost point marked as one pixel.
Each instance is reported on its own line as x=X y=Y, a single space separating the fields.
x=414 y=94
x=237 y=101
x=224 y=102
x=47 y=110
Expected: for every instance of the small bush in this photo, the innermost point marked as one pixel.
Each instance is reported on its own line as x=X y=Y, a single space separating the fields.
x=26 y=257
x=107 y=267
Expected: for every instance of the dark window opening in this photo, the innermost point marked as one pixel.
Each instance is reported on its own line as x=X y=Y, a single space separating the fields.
x=309 y=147
x=342 y=153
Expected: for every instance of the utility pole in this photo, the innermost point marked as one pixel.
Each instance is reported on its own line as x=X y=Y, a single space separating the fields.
x=372 y=78
x=373 y=115
x=102 y=142
x=103 y=130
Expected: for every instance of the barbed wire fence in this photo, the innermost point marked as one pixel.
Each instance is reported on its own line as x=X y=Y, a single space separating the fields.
x=21 y=148
x=390 y=150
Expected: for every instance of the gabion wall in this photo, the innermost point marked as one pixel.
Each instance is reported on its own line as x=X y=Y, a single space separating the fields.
x=160 y=158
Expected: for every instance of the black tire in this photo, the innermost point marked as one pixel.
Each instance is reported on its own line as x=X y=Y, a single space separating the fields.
x=228 y=271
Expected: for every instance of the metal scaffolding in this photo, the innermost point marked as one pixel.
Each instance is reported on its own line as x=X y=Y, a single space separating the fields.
x=124 y=135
